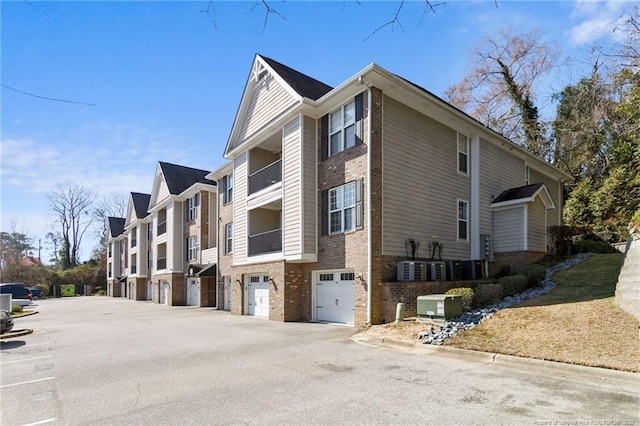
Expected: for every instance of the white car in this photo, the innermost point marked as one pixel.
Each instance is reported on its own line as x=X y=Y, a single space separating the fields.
x=21 y=302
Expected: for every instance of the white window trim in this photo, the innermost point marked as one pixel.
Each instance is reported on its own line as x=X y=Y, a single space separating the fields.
x=342 y=209
x=458 y=220
x=192 y=247
x=342 y=127
x=192 y=208
x=527 y=175
x=466 y=153
x=227 y=183
x=228 y=238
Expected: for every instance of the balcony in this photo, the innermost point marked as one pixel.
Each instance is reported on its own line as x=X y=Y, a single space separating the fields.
x=162 y=263
x=162 y=228
x=265 y=242
x=265 y=177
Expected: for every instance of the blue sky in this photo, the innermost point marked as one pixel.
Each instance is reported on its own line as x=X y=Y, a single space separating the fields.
x=166 y=78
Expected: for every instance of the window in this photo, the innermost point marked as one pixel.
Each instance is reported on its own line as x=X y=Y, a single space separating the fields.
x=150 y=259
x=109 y=270
x=192 y=247
x=150 y=232
x=192 y=207
x=162 y=222
x=227 y=189
x=228 y=238
x=342 y=128
x=134 y=264
x=342 y=208
x=463 y=220
x=527 y=175
x=134 y=240
x=110 y=249
x=463 y=154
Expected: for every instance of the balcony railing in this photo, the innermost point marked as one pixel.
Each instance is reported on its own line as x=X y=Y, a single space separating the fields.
x=162 y=228
x=162 y=263
x=265 y=177
x=265 y=242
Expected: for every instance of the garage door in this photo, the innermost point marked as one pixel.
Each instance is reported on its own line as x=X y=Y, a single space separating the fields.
x=258 y=296
x=193 y=289
x=335 y=297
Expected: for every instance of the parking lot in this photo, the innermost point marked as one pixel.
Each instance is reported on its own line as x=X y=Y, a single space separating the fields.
x=99 y=360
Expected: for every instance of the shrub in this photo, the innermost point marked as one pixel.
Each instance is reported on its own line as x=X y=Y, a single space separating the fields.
x=101 y=292
x=535 y=274
x=594 y=246
x=465 y=292
x=505 y=270
x=486 y=294
x=16 y=309
x=513 y=285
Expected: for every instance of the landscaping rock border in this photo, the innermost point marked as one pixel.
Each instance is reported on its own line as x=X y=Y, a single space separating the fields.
x=473 y=318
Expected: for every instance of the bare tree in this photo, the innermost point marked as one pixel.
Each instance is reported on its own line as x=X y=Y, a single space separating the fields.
x=114 y=206
x=72 y=207
x=500 y=90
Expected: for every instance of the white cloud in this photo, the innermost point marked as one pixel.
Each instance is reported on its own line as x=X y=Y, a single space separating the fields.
x=594 y=20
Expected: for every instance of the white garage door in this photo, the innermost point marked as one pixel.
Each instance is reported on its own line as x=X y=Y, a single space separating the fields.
x=335 y=297
x=258 y=296
x=193 y=289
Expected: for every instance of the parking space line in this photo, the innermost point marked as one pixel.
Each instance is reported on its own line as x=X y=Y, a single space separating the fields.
x=26 y=359
x=41 y=422
x=26 y=383
x=42 y=343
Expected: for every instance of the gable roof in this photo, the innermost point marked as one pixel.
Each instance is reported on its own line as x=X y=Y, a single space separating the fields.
x=524 y=194
x=140 y=204
x=179 y=178
x=116 y=225
x=304 y=85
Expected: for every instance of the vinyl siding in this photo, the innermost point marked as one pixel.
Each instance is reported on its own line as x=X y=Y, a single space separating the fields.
x=554 y=216
x=163 y=191
x=309 y=200
x=508 y=230
x=421 y=184
x=292 y=188
x=268 y=100
x=499 y=171
x=240 y=209
x=536 y=227
x=175 y=237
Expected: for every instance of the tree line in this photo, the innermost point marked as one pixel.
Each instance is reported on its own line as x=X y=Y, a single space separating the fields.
x=594 y=135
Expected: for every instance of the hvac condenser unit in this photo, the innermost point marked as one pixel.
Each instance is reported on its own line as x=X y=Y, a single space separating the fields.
x=436 y=271
x=412 y=270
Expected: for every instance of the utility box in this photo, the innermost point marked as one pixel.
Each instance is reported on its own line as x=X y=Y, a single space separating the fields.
x=68 y=290
x=439 y=306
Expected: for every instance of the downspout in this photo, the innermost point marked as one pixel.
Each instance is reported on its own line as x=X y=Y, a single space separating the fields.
x=369 y=245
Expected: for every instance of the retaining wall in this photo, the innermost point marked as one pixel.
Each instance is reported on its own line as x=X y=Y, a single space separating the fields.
x=628 y=287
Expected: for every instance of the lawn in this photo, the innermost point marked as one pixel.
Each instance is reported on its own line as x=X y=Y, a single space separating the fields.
x=577 y=323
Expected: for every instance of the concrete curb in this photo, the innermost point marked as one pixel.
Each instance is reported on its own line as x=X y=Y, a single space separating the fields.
x=16 y=333
x=502 y=359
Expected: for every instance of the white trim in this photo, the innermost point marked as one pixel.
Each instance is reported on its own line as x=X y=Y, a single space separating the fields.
x=525 y=236
x=369 y=238
x=543 y=192
x=468 y=153
x=301 y=170
x=474 y=225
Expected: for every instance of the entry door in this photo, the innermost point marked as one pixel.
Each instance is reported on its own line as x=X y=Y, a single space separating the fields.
x=258 y=296
x=335 y=297
x=164 y=292
x=193 y=290
x=227 y=293
x=123 y=290
x=150 y=290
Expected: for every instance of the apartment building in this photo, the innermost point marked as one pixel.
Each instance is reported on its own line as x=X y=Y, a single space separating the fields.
x=327 y=189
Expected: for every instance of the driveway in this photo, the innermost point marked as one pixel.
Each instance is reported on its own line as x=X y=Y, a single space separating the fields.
x=107 y=361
